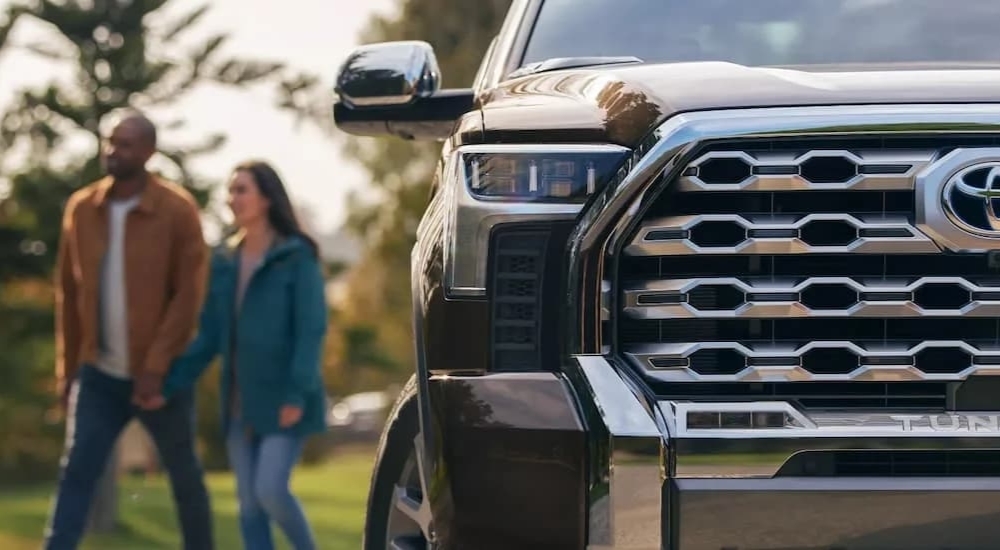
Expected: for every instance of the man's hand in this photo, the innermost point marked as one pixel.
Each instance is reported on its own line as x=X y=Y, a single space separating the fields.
x=289 y=415
x=146 y=388
x=152 y=403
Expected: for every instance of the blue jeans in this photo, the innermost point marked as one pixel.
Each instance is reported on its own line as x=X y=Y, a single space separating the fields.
x=263 y=467
x=101 y=407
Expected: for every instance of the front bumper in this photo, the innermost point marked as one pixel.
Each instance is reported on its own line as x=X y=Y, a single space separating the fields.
x=660 y=483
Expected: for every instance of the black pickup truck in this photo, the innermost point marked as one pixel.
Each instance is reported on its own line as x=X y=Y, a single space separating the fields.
x=713 y=274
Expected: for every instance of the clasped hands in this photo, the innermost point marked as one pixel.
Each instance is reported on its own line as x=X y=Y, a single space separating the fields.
x=147 y=394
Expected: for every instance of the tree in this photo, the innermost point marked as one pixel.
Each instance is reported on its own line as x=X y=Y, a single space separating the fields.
x=400 y=172
x=120 y=59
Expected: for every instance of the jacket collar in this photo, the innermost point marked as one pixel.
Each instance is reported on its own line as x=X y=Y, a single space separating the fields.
x=281 y=246
x=147 y=199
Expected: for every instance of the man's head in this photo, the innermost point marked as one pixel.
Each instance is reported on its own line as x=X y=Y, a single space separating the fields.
x=129 y=145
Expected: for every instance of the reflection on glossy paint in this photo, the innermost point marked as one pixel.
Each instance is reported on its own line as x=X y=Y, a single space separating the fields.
x=388 y=73
x=897 y=514
x=511 y=442
x=628 y=459
x=569 y=106
x=534 y=401
x=620 y=104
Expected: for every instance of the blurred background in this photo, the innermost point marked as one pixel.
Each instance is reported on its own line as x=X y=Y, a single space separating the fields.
x=224 y=80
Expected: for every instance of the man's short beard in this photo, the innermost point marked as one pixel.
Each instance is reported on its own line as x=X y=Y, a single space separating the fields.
x=122 y=173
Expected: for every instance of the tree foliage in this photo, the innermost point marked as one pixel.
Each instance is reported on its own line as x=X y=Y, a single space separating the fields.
x=122 y=54
x=119 y=60
x=386 y=214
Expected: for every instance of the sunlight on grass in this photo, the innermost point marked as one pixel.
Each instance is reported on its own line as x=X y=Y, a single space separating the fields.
x=333 y=496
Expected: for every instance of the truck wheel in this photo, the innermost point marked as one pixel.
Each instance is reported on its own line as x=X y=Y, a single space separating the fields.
x=399 y=516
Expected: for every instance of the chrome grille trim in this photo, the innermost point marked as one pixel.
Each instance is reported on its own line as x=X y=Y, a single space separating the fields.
x=607 y=223
x=963 y=422
x=788 y=171
x=927 y=423
x=763 y=298
x=677 y=237
x=903 y=354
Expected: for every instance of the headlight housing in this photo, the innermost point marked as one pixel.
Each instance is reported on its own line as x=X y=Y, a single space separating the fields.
x=550 y=176
x=492 y=184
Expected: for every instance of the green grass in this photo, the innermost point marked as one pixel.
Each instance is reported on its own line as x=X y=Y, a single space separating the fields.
x=332 y=494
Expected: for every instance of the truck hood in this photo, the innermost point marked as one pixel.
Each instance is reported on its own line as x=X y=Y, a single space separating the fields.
x=619 y=104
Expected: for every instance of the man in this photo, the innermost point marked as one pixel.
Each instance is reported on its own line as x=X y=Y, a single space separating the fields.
x=131 y=272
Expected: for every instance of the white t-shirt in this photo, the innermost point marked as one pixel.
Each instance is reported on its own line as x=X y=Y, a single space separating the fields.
x=114 y=354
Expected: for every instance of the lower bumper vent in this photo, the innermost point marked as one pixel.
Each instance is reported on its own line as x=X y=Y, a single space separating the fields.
x=905 y=463
x=518 y=262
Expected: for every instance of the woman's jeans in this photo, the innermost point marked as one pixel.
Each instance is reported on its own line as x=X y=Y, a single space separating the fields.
x=263 y=467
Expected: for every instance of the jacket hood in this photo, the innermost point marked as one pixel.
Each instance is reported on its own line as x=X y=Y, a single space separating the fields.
x=619 y=104
x=283 y=245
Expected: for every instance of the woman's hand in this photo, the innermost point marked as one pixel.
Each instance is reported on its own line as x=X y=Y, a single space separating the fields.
x=289 y=415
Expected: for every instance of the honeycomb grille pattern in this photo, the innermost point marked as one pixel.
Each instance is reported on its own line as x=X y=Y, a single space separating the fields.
x=796 y=266
x=810 y=233
x=813 y=297
x=814 y=169
x=930 y=360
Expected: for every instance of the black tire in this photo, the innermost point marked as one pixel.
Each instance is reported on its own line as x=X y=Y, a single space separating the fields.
x=395 y=451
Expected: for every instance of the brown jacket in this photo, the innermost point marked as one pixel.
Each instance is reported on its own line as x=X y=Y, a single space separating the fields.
x=166 y=262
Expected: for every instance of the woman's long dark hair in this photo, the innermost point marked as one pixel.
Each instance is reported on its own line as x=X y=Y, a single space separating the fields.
x=280 y=214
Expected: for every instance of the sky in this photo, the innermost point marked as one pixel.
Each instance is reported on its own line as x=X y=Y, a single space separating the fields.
x=313 y=35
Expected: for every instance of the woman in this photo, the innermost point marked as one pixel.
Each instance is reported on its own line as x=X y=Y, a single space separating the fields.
x=265 y=313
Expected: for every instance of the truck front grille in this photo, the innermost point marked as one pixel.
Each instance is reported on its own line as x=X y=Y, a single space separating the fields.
x=797 y=266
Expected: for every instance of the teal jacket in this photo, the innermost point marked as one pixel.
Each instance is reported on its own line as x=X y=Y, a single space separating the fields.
x=277 y=338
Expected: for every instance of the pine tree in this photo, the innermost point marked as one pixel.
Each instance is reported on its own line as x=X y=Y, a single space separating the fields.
x=124 y=54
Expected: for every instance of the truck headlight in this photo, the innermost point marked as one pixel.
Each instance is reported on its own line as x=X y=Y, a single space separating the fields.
x=492 y=184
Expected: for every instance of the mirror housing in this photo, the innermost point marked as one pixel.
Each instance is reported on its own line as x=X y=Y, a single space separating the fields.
x=393 y=88
x=388 y=74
